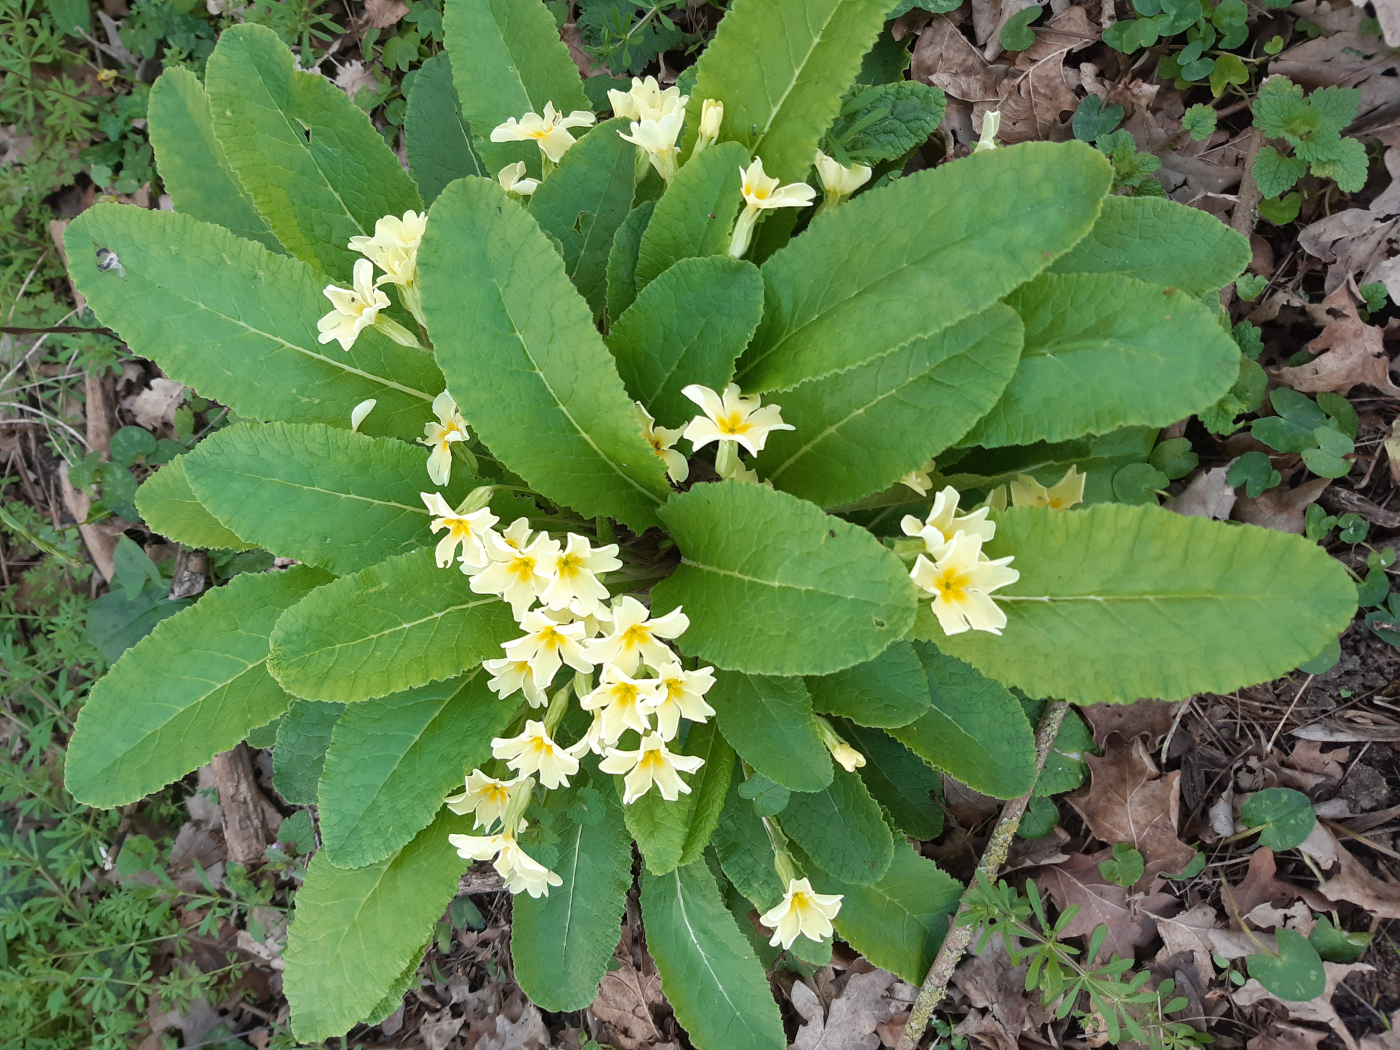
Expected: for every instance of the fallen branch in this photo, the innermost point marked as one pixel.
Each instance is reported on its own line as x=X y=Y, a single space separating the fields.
x=935 y=985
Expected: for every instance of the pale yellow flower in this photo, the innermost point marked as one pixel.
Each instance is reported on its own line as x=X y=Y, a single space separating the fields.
x=681 y=695
x=549 y=132
x=732 y=417
x=573 y=575
x=919 y=479
x=1065 y=493
x=762 y=193
x=516 y=573
x=803 y=912
x=636 y=637
x=394 y=247
x=484 y=796
x=711 y=117
x=518 y=870
x=512 y=676
x=440 y=436
x=546 y=644
x=662 y=441
x=356 y=307
x=652 y=763
x=623 y=701
x=657 y=138
x=592 y=740
x=961 y=582
x=468 y=530
x=991 y=124
x=535 y=752
x=512 y=179
x=358 y=413
x=646 y=100
x=944 y=522
x=839 y=181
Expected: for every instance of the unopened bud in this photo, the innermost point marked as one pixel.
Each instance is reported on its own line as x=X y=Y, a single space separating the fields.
x=476 y=499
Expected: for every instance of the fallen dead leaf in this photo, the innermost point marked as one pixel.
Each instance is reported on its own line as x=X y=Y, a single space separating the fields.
x=1287 y=1037
x=156 y=404
x=355 y=76
x=1190 y=932
x=1387 y=1040
x=440 y=1031
x=1355 y=884
x=1270 y=917
x=625 y=998
x=1360 y=242
x=986 y=1031
x=1129 y=801
x=851 y=1018
x=1207 y=495
x=1131 y=922
x=1281 y=509
x=1040 y=91
x=1319 y=1009
x=1260 y=886
x=1149 y=718
x=1354 y=354
x=381 y=14
x=991 y=983
x=528 y=1033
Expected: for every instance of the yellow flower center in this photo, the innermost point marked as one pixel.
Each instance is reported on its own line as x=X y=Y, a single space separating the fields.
x=522 y=567
x=675 y=689
x=760 y=192
x=539 y=134
x=637 y=634
x=495 y=794
x=459 y=528
x=800 y=902
x=733 y=423
x=652 y=760
x=570 y=566
x=1055 y=503
x=550 y=638
x=952 y=586
x=624 y=694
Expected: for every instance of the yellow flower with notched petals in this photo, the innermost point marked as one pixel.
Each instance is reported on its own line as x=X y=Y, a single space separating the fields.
x=839 y=181
x=624 y=702
x=652 y=763
x=635 y=636
x=662 y=441
x=356 y=307
x=802 y=912
x=1065 y=493
x=732 y=417
x=468 y=530
x=762 y=193
x=549 y=132
x=961 y=582
x=485 y=797
x=394 y=247
x=512 y=179
x=535 y=752
x=944 y=522
x=441 y=435
x=547 y=644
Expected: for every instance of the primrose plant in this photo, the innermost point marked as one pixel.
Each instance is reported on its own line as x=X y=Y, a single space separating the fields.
x=687 y=478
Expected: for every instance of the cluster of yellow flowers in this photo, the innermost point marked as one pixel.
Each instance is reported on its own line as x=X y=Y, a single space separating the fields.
x=394 y=249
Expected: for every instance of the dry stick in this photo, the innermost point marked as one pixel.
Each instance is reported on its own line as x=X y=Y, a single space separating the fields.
x=935 y=985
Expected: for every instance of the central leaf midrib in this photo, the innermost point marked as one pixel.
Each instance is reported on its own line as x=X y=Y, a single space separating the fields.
x=409 y=625
x=328 y=492
x=775 y=584
x=704 y=956
x=797 y=72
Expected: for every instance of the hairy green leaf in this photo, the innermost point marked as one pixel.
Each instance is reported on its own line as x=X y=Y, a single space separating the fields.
x=303 y=735
x=169 y=506
x=1111 y=597
x=841 y=829
x=672 y=833
x=438 y=137
x=622 y=259
x=394 y=626
x=745 y=852
x=769 y=722
x=191 y=688
x=525 y=363
x=899 y=780
x=774 y=586
x=890 y=690
x=696 y=213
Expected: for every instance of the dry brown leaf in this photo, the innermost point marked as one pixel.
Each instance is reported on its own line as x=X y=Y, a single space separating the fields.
x=1387 y=1040
x=1131 y=922
x=1281 y=509
x=850 y=1019
x=1319 y=1009
x=625 y=998
x=528 y=1033
x=1149 y=718
x=1260 y=886
x=991 y=983
x=156 y=404
x=1037 y=99
x=1207 y=495
x=1355 y=884
x=381 y=14
x=1128 y=801
x=1190 y=932
x=1286 y=1037
x=986 y=1031
x=1310 y=758
x=1354 y=354
x=1360 y=242
x=354 y=77
x=1347 y=59
x=440 y=1031
x=946 y=59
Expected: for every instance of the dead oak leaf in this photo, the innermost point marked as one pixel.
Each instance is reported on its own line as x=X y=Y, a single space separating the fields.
x=1129 y=801
x=1207 y=495
x=1281 y=509
x=1355 y=884
x=625 y=998
x=1354 y=354
x=1149 y=718
x=1189 y=932
x=381 y=14
x=1260 y=886
x=849 y=1023
x=1131 y=921
x=1319 y=1009
x=1286 y=1037
x=1034 y=97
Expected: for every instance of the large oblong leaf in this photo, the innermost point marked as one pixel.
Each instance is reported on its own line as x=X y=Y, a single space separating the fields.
x=394 y=626
x=170 y=507
x=329 y=497
x=780 y=67
x=677 y=832
x=774 y=586
x=508 y=60
x=687 y=326
x=860 y=431
x=191 y=688
x=709 y=973
x=238 y=323
x=1119 y=602
x=561 y=944
x=975 y=730
x=914 y=257
x=437 y=136
x=299 y=755
x=192 y=164
x=769 y=722
x=392 y=760
x=841 y=829
x=525 y=363
x=1104 y=352
x=357 y=929
x=695 y=215
x=890 y=690
x=306 y=155
x=1161 y=242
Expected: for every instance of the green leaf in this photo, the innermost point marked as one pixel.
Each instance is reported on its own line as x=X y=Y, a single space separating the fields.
x=391 y=761
x=774 y=586
x=1138 y=483
x=898 y=922
x=672 y=833
x=744 y=852
x=898 y=780
x=525 y=363
x=696 y=213
x=886 y=122
x=1161 y=242
x=1093 y=120
x=1065 y=768
x=238 y=323
x=1016 y=34
x=357 y=929
x=1104 y=352
x=890 y=690
x=841 y=829
x=561 y=944
x=192 y=164
x=780 y=67
x=687 y=326
x=1336 y=945
x=709 y=973
x=438 y=137
x=976 y=731
x=1295 y=974
x=861 y=430
x=303 y=735
x=1281 y=210
x=1348 y=167
x=1285 y=817
x=918 y=255
x=169 y=506
x=622 y=259
x=508 y=60
x=769 y=722
x=116 y=622
x=307 y=156
x=397 y=625
x=1111 y=597
x=584 y=202
x=1125 y=867
x=1275 y=173
x=1199 y=120
x=329 y=497
x=191 y=688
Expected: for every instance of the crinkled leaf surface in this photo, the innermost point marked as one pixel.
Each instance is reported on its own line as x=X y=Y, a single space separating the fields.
x=899 y=780
x=744 y=851
x=622 y=259
x=525 y=363
x=238 y=323
x=1111 y=597
x=841 y=829
x=696 y=213
x=438 y=137
x=169 y=506
x=191 y=688
x=774 y=586
x=890 y=690
x=769 y=720
x=303 y=735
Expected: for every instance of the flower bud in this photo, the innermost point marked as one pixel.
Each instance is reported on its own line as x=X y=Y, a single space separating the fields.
x=476 y=499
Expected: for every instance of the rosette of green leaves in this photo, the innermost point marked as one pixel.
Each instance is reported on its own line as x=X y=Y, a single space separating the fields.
x=1001 y=314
